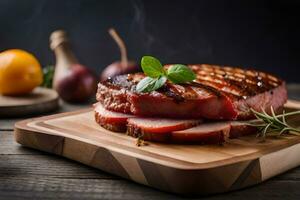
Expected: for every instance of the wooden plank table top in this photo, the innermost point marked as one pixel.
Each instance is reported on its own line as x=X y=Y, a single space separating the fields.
x=31 y=174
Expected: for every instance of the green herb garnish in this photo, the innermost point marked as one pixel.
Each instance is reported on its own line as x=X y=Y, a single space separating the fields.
x=273 y=125
x=179 y=73
x=48 y=73
x=157 y=75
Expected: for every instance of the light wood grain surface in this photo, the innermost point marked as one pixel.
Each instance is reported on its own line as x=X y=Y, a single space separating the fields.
x=40 y=100
x=29 y=174
x=176 y=168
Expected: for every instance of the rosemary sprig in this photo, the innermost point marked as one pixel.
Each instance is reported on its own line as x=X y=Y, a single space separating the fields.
x=273 y=125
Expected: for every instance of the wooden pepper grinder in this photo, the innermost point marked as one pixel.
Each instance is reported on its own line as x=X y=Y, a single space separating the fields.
x=73 y=81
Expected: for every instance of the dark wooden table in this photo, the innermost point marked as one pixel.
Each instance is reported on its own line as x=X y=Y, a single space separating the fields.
x=31 y=174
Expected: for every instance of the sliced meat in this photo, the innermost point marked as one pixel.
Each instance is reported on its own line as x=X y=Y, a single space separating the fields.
x=213 y=132
x=208 y=133
x=153 y=129
x=223 y=93
x=239 y=128
x=110 y=120
x=171 y=130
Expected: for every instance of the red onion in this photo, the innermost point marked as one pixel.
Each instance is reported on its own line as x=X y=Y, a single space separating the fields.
x=119 y=67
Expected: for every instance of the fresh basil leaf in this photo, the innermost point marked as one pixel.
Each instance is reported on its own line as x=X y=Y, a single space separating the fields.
x=149 y=84
x=152 y=67
x=179 y=73
x=144 y=83
x=159 y=82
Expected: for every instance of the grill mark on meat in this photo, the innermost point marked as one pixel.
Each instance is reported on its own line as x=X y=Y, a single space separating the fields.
x=246 y=82
x=216 y=80
x=171 y=92
x=207 y=88
x=244 y=89
x=220 y=87
x=222 y=78
x=191 y=91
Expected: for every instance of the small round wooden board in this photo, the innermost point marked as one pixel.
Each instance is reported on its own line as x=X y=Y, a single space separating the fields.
x=40 y=100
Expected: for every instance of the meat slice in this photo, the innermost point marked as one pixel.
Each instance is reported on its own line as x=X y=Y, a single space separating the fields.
x=207 y=133
x=157 y=129
x=223 y=93
x=110 y=120
x=214 y=132
x=240 y=128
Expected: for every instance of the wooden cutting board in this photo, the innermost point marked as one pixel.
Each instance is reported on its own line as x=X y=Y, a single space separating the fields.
x=184 y=169
x=40 y=100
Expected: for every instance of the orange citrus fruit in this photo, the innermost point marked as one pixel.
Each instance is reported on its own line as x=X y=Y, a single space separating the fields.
x=20 y=72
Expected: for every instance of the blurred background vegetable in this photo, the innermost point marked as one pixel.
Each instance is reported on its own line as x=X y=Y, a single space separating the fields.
x=74 y=82
x=124 y=66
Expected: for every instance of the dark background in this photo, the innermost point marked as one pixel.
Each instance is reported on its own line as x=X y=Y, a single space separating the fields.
x=255 y=34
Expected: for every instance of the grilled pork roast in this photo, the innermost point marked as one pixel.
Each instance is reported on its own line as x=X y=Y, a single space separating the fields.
x=208 y=110
x=221 y=93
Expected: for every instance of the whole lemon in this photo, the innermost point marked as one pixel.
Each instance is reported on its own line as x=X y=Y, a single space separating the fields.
x=20 y=72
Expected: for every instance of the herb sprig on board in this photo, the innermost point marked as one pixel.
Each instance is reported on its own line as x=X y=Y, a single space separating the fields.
x=48 y=73
x=273 y=125
x=157 y=76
